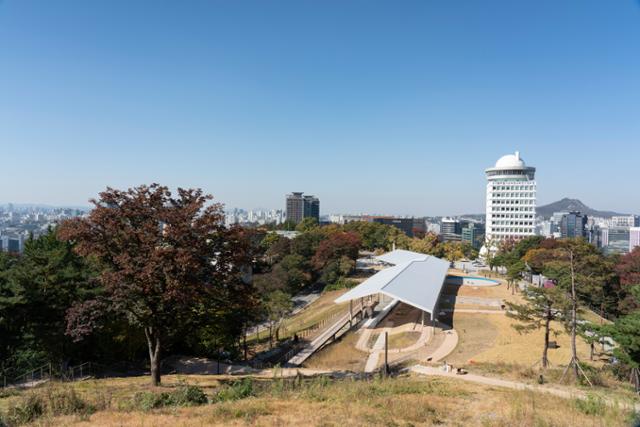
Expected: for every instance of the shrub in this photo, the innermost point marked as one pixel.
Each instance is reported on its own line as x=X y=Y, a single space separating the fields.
x=237 y=390
x=25 y=411
x=189 y=395
x=592 y=405
x=65 y=401
x=341 y=283
x=47 y=401
x=182 y=396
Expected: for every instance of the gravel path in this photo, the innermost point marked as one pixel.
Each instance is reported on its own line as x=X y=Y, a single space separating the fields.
x=479 y=379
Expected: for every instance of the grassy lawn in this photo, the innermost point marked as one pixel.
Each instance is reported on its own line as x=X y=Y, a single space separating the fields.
x=403 y=339
x=476 y=334
x=320 y=309
x=341 y=355
x=407 y=400
x=491 y=338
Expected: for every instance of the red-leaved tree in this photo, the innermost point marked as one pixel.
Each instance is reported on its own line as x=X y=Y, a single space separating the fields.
x=162 y=259
x=629 y=268
x=337 y=245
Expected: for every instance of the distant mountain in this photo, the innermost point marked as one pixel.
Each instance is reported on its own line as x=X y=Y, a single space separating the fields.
x=564 y=205
x=568 y=205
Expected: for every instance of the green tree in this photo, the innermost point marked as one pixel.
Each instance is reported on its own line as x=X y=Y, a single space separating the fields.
x=429 y=245
x=307 y=224
x=541 y=307
x=580 y=270
x=12 y=316
x=35 y=294
x=453 y=251
x=277 y=305
x=514 y=274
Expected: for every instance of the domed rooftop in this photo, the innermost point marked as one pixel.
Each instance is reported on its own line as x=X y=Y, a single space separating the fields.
x=510 y=161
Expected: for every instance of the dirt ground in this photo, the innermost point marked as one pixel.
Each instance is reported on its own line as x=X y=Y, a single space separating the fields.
x=403 y=339
x=491 y=338
x=340 y=355
x=476 y=334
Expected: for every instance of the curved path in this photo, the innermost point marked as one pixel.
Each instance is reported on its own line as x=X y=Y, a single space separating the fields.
x=490 y=381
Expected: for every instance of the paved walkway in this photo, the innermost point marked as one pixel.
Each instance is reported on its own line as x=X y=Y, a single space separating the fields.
x=203 y=366
x=459 y=299
x=448 y=345
x=479 y=379
x=472 y=310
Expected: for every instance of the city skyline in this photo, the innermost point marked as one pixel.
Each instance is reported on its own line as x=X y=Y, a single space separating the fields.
x=371 y=107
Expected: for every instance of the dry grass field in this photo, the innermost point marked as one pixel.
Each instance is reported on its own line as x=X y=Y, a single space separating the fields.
x=415 y=401
x=320 y=309
x=403 y=339
x=491 y=338
x=342 y=355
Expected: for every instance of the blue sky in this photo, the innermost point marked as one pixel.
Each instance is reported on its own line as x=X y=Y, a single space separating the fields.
x=385 y=107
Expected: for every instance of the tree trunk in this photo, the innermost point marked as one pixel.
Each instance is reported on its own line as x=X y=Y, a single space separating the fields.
x=545 y=351
x=574 y=319
x=153 y=342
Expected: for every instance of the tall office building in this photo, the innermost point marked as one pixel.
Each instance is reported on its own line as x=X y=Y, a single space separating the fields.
x=299 y=207
x=473 y=233
x=404 y=224
x=311 y=207
x=573 y=224
x=451 y=229
x=511 y=200
x=634 y=238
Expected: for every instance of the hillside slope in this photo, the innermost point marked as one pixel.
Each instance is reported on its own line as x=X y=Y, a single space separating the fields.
x=568 y=205
x=315 y=401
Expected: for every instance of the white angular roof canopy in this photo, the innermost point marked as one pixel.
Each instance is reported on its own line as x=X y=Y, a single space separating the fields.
x=416 y=280
x=400 y=256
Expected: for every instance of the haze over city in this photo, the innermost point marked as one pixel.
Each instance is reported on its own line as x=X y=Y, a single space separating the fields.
x=370 y=106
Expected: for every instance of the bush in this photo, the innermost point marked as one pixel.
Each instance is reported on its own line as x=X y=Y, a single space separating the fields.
x=236 y=391
x=592 y=405
x=187 y=395
x=25 y=411
x=48 y=401
x=341 y=283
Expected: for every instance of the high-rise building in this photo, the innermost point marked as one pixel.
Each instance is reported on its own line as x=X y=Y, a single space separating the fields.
x=311 y=207
x=625 y=221
x=634 y=238
x=511 y=200
x=615 y=239
x=295 y=207
x=451 y=229
x=573 y=225
x=473 y=233
x=299 y=207
x=404 y=224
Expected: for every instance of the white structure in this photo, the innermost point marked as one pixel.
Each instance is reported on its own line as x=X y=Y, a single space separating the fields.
x=511 y=200
x=415 y=279
x=625 y=221
x=634 y=238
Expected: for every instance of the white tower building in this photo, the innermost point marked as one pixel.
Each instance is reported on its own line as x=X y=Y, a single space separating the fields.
x=511 y=200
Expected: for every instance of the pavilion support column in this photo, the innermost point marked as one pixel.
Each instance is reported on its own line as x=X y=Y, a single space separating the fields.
x=422 y=318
